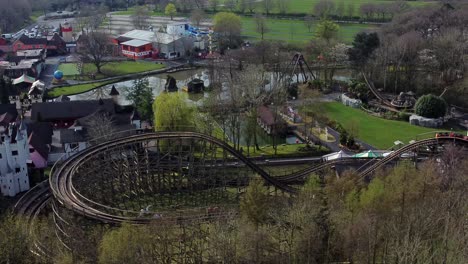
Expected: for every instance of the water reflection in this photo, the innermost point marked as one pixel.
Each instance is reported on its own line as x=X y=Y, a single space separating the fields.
x=157 y=82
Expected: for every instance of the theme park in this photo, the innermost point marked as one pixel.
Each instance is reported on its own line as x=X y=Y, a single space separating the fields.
x=222 y=131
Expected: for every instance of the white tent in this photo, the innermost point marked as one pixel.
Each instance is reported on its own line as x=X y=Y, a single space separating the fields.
x=337 y=155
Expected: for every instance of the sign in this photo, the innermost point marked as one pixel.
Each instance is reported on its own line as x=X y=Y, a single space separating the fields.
x=136 y=54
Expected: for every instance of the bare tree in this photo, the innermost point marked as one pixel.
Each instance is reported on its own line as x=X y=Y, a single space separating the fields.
x=197 y=16
x=283 y=6
x=350 y=10
x=261 y=25
x=309 y=22
x=268 y=5
x=96 y=47
x=324 y=8
x=140 y=17
x=100 y=127
x=214 y=4
x=230 y=5
x=251 y=5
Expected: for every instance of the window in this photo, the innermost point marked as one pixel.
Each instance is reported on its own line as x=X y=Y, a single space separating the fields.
x=17 y=170
x=1 y=154
x=31 y=150
x=14 y=153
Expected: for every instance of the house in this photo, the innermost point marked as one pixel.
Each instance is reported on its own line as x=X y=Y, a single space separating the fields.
x=270 y=122
x=64 y=114
x=40 y=140
x=27 y=43
x=5 y=46
x=71 y=140
x=164 y=45
x=30 y=67
x=177 y=28
x=137 y=49
x=56 y=45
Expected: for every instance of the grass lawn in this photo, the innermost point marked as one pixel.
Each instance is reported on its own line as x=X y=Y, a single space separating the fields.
x=293 y=30
x=378 y=132
x=68 y=69
x=110 y=69
x=75 y=89
x=307 y=6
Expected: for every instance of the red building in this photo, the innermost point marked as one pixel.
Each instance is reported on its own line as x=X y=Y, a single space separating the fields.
x=26 y=43
x=137 y=49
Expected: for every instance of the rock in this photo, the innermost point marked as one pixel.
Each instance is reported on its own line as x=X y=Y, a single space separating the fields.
x=426 y=122
x=355 y=103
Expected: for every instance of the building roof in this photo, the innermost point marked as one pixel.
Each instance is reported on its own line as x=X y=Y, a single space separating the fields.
x=30 y=53
x=35 y=91
x=114 y=91
x=24 y=78
x=32 y=41
x=10 y=109
x=62 y=98
x=69 y=110
x=266 y=115
x=135 y=43
x=151 y=36
x=70 y=136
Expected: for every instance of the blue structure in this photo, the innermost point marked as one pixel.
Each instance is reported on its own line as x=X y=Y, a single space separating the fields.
x=58 y=75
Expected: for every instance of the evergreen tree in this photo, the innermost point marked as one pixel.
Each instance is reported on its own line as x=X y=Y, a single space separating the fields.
x=141 y=95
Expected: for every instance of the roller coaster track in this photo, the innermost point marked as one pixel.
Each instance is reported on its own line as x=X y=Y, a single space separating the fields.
x=421 y=143
x=377 y=94
x=29 y=206
x=62 y=174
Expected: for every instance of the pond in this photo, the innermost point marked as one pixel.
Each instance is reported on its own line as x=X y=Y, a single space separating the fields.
x=157 y=82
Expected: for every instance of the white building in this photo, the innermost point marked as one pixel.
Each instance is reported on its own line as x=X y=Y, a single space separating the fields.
x=176 y=28
x=167 y=45
x=14 y=157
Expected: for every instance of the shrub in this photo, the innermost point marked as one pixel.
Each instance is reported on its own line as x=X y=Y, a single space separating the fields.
x=344 y=139
x=430 y=106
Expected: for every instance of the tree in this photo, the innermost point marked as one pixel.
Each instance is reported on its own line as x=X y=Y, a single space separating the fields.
x=214 y=4
x=350 y=10
x=141 y=95
x=96 y=47
x=242 y=5
x=261 y=23
x=283 y=6
x=324 y=8
x=100 y=127
x=228 y=26
x=230 y=5
x=170 y=10
x=172 y=113
x=254 y=202
x=251 y=5
x=308 y=22
x=14 y=241
x=364 y=45
x=197 y=16
x=327 y=30
x=268 y=5
x=340 y=9
x=430 y=106
x=140 y=17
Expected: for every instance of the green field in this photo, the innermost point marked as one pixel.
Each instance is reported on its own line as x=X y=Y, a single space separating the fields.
x=296 y=31
x=68 y=69
x=378 y=132
x=110 y=69
x=307 y=6
x=75 y=89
